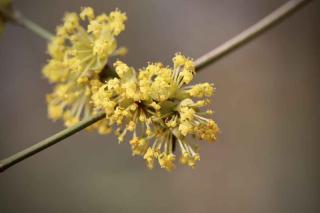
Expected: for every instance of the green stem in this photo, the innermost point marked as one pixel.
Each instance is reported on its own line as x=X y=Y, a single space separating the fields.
x=12 y=160
x=28 y=24
x=250 y=33
x=17 y=18
x=202 y=62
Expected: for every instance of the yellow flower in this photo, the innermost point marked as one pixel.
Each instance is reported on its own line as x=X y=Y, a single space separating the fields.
x=150 y=156
x=189 y=160
x=200 y=90
x=139 y=146
x=87 y=12
x=118 y=98
x=79 y=54
x=166 y=161
x=55 y=71
x=55 y=112
x=158 y=102
x=85 y=52
x=207 y=130
x=156 y=82
x=72 y=99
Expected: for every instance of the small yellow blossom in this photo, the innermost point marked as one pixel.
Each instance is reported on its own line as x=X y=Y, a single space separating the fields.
x=55 y=112
x=87 y=12
x=150 y=156
x=54 y=71
x=201 y=90
x=139 y=146
x=166 y=161
x=189 y=159
x=207 y=131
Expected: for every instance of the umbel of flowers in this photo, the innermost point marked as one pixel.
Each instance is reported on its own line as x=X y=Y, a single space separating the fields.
x=78 y=56
x=159 y=108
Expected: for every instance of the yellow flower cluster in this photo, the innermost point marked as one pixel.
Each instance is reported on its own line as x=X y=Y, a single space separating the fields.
x=155 y=106
x=78 y=58
x=158 y=107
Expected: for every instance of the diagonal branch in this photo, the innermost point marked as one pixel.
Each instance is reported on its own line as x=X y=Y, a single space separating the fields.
x=17 y=18
x=10 y=161
x=250 y=33
x=205 y=60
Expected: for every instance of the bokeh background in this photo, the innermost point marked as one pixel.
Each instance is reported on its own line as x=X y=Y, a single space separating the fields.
x=267 y=104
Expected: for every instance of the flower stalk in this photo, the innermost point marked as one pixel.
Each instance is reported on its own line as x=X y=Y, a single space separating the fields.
x=247 y=35
x=17 y=18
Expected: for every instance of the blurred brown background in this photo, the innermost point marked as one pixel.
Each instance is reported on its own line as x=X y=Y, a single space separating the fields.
x=267 y=105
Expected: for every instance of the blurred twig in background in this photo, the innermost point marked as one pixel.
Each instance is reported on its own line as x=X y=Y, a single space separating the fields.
x=17 y=18
x=250 y=33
